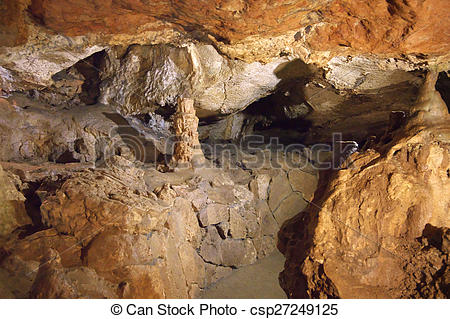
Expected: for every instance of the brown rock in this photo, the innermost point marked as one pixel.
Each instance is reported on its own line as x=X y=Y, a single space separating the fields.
x=165 y=193
x=376 y=230
x=113 y=249
x=260 y=186
x=183 y=222
x=279 y=190
x=289 y=207
x=357 y=25
x=238 y=227
x=303 y=182
x=237 y=253
x=269 y=225
x=35 y=246
x=12 y=207
x=187 y=146
x=142 y=281
x=193 y=267
x=51 y=281
x=223 y=194
x=227 y=252
x=215 y=273
x=213 y=214
x=264 y=246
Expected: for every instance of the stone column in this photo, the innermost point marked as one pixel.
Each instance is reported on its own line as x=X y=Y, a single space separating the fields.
x=187 y=150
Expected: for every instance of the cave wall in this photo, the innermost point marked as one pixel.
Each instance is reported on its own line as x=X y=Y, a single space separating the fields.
x=88 y=89
x=379 y=227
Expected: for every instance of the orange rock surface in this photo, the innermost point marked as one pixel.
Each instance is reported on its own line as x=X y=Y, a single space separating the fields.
x=358 y=26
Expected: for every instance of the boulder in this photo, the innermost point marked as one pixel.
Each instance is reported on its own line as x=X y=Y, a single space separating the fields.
x=378 y=228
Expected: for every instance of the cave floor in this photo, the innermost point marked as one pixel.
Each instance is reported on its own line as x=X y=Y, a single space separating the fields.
x=256 y=281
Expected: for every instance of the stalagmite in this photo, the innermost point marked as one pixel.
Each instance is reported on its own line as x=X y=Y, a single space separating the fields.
x=187 y=149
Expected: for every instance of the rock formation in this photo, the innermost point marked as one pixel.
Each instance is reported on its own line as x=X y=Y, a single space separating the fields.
x=91 y=115
x=124 y=231
x=380 y=227
x=187 y=149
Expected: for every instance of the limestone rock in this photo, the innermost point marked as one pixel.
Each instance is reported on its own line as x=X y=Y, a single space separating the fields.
x=50 y=280
x=112 y=250
x=362 y=74
x=238 y=228
x=198 y=198
x=215 y=273
x=12 y=212
x=80 y=134
x=158 y=75
x=213 y=214
x=264 y=246
x=377 y=229
x=165 y=192
x=289 y=207
x=260 y=186
x=303 y=182
x=250 y=31
x=269 y=225
x=107 y=227
x=279 y=190
x=222 y=194
x=187 y=146
x=34 y=248
x=221 y=179
x=237 y=252
x=227 y=252
x=209 y=250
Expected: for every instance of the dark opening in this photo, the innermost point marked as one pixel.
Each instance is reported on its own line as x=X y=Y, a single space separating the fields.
x=443 y=87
